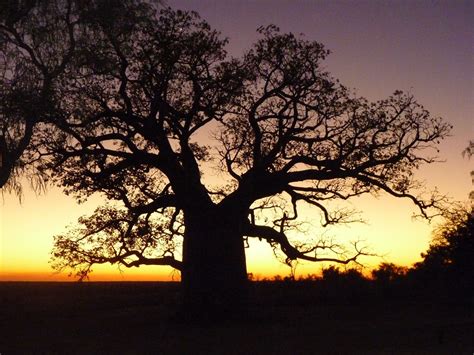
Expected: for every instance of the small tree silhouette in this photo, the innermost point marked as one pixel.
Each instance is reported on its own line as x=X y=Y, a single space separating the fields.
x=469 y=151
x=448 y=262
x=388 y=273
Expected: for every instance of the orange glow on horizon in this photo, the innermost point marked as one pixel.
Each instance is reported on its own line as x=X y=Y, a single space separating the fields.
x=94 y=277
x=25 y=247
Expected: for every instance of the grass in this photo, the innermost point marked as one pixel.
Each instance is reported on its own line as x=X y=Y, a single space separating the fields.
x=139 y=318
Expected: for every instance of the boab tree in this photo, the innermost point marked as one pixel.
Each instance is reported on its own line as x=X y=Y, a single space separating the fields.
x=135 y=110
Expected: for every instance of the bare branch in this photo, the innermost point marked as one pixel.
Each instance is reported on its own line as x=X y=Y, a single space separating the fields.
x=292 y=253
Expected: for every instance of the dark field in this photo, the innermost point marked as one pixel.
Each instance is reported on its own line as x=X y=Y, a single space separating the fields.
x=140 y=318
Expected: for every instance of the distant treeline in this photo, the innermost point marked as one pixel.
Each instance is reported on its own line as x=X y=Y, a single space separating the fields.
x=445 y=272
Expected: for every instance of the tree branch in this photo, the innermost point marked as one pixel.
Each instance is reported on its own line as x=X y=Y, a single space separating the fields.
x=292 y=253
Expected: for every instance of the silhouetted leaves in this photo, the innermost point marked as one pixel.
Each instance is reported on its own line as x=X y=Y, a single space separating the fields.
x=449 y=261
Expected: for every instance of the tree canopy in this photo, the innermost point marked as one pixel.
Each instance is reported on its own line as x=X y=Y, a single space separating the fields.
x=128 y=98
x=449 y=262
x=30 y=60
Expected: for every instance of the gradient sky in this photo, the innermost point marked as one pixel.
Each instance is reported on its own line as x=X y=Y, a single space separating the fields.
x=425 y=47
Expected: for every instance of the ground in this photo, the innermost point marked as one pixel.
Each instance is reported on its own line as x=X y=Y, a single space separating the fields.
x=141 y=318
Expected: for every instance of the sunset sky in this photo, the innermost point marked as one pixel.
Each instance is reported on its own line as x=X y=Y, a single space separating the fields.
x=424 y=47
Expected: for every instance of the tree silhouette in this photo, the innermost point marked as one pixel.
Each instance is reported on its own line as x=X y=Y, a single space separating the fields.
x=38 y=39
x=448 y=262
x=29 y=64
x=133 y=110
x=469 y=151
x=387 y=273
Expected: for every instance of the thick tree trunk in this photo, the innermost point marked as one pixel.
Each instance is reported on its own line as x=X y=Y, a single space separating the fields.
x=214 y=273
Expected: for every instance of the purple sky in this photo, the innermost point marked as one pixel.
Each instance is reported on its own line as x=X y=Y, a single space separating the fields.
x=390 y=43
